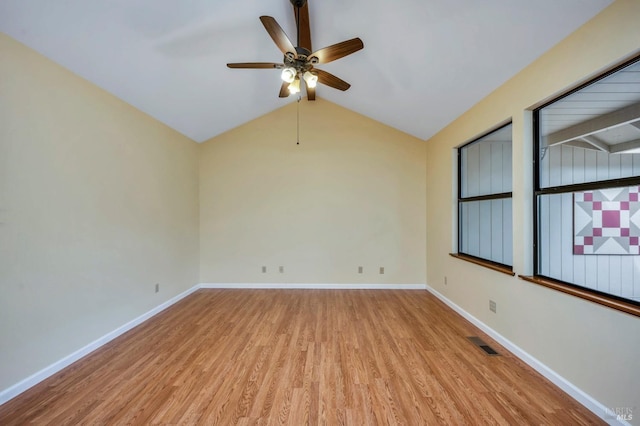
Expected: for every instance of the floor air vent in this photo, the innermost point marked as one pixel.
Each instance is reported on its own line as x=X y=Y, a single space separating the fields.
x=482 y=345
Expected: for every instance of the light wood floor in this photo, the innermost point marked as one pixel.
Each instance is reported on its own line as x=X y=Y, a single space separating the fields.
x=361 y=357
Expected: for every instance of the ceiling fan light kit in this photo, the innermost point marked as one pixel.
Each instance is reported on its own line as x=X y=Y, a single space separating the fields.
x=294 y=87
x=299 y=61
x=310 y=78
x=288 y=74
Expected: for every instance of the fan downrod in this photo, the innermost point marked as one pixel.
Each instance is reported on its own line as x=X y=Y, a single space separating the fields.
x=298 y=3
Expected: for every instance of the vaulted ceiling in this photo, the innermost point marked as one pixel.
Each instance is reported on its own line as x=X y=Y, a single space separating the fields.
x=424 y=63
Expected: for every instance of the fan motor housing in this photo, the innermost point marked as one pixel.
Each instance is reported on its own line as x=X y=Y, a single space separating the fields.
x=302 y=51
x=301 y=63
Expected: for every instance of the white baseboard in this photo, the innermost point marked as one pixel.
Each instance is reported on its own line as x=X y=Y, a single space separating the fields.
x=576 y=393
x=317 y=286
x=23 y=385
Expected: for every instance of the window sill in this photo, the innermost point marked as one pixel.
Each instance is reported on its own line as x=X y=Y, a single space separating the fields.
x=486 y=263
x=599 y=298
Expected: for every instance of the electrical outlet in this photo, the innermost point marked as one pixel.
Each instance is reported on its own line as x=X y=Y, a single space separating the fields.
x=264 y=269
x=157 y=287
x=381 y=270
x=492 y=306
x=281 y=269
x=360 y=269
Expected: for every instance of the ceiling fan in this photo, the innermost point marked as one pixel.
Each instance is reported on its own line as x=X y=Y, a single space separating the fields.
x=299 y=61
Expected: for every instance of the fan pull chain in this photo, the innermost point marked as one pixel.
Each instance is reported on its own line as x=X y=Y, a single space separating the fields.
x=298 y=121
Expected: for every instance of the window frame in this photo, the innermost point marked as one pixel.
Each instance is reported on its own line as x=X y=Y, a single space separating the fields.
x=496 y=266
x=603 y=298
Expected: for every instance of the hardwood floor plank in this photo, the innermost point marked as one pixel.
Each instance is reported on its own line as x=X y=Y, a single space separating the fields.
x=272 y=357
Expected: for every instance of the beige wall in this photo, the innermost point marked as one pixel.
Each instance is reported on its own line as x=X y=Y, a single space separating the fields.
x=594 y=347
x=98 y=202
x=351 y=194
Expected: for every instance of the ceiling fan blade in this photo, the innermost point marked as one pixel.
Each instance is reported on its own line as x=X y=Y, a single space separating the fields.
x=302 y=20
x=311 y=93
x=284 y=90
x=278 y=35
x=338 y=50
x=255 y=65
x=331 y=80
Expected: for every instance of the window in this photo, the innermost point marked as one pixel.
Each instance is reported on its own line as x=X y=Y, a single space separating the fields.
x=587 y=184
x=484 y=198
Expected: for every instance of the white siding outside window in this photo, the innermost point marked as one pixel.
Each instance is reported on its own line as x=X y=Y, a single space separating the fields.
x=485 y=197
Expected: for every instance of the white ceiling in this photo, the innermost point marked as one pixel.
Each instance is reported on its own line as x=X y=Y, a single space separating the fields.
x=424 y=63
